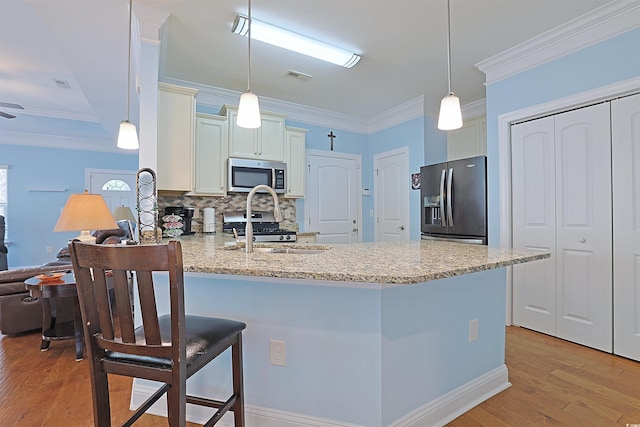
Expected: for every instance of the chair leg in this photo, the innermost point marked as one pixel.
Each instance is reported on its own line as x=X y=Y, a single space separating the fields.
x=238 y=387
x=177 y=404
x=100 y=397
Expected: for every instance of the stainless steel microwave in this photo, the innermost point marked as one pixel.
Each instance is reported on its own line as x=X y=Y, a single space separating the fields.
x=244 y=174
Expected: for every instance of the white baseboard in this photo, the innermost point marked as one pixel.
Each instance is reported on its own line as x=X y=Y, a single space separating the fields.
x=435 y=413
x=455 y=403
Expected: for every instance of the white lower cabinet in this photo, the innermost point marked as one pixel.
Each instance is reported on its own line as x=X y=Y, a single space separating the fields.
x=210 y=155
x=562 y=201
x=295 y=159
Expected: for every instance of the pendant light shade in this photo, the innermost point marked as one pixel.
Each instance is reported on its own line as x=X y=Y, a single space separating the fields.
x=249 y=108
x=450 y=113
x=249 y=111
x=127 y=135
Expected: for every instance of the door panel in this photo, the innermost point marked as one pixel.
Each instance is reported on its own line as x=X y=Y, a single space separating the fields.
x=392 y=196
x=625 y=131
x=583 y=231
x=332 y=205
x=469 y=196
x=534 y=223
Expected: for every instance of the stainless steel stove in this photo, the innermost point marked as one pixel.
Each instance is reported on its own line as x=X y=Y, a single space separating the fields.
x=265 y=226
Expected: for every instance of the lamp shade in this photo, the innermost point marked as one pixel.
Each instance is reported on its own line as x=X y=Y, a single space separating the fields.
x=450 y=114
x=123 y=212
x=249 y=111
x=127 y=136
x=85 y=212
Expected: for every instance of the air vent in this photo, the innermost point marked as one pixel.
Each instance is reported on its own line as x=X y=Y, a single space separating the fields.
x=63 y=84
x=298 y=75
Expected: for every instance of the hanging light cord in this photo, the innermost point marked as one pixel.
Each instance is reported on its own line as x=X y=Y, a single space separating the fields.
x=448 y=44
x=129 y=60
x=249 y=43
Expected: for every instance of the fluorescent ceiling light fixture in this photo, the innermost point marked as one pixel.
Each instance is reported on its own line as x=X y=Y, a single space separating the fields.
x=293 y=41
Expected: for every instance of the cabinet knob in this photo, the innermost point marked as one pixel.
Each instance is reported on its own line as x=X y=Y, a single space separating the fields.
x=582 y=240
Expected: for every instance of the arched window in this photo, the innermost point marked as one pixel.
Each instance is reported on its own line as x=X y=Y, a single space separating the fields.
x=116 y=185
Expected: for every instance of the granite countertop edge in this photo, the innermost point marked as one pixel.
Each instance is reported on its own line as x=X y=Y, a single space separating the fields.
x=394 y=263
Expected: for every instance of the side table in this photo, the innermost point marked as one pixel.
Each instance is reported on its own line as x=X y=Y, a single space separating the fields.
x=62 y=287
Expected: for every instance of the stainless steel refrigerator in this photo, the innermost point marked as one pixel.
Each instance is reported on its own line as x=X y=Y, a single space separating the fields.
x=454 y=200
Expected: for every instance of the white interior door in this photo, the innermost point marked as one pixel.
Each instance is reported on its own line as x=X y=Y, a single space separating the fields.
x=583 y=227
x=625 y=131
x=332 y=205
x=391 y=194
x=118 y=188
x=534 y=223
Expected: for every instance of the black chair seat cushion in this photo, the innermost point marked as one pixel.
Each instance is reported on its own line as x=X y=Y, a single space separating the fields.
x=203 y=335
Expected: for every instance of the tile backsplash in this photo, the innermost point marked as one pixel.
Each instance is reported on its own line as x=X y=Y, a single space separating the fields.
x=230 y=203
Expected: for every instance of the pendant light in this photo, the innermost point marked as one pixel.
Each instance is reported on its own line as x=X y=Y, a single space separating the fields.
x=128 y=136
x=450 y=114
x=249 y=108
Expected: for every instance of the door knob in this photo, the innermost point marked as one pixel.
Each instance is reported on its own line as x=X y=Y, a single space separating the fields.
x=401 y=228
x=355 y=229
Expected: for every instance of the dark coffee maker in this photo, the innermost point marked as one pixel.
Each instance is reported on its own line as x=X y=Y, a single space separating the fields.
x=183 y=212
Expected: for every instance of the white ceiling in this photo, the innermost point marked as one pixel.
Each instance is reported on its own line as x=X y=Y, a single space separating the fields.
x=402 y=42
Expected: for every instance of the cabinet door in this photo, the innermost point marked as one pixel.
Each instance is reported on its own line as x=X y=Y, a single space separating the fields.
x=243 y=142
x=534 y=223
x=210 y=155
x=176 y=114
x=583 y=227
x=625 y=131
x=295 y=159
x=271 y=139
x=468 y=141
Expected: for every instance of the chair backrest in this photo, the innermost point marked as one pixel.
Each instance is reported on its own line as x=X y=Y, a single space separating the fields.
x=98 y=268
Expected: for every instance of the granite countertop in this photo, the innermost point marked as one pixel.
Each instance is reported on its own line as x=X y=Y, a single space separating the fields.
x=386 y=262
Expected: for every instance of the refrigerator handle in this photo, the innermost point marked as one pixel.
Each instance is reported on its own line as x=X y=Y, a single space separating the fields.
x=449 y=198
x=442 y=199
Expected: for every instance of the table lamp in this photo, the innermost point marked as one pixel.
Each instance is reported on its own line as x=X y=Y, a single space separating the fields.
x=85 y=212
x=123 y=213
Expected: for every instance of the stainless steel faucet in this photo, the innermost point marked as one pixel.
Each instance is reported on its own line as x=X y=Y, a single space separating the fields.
x=248 y=233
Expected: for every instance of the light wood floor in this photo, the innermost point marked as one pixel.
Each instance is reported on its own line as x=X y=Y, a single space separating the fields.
x=555 y=383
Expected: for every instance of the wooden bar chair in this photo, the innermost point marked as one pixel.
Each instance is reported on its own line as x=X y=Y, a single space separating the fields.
x=169 y=348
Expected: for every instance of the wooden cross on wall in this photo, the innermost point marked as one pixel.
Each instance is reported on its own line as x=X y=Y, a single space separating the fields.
x=331 y=136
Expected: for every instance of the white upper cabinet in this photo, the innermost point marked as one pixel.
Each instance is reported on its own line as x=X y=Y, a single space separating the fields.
x=176 y=116
x=295 y=159
x=266 y=142
x=468 y=141
x=210 y=158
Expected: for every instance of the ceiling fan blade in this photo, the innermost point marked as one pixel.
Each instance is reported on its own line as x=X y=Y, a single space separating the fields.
x=11 y=105
x=7 y=115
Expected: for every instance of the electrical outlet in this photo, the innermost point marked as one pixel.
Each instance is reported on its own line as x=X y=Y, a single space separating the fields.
x=473 y=330
x=49 y=249
x=277 y=352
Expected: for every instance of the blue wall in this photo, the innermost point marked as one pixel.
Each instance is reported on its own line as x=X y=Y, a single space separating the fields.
x=605 y=63
x=409 y=134
x=32 y=215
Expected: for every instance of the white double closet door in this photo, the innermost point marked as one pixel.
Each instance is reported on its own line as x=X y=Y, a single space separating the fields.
x=563 y=202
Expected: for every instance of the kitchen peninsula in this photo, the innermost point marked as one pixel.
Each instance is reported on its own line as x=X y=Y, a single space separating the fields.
x=376 y=334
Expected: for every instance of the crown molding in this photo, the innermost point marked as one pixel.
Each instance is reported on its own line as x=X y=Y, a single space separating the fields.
x=407 y=111
x=61 y=142
x=217 y=97
x=607 y=21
